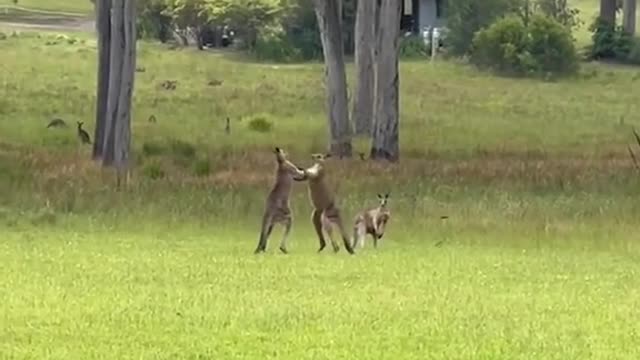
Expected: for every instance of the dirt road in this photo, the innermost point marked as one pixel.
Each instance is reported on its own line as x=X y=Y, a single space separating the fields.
x=28 y=19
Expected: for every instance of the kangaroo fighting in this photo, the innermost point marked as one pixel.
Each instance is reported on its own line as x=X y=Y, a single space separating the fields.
x=325 y=213
x=277 y=208
x=372 y=222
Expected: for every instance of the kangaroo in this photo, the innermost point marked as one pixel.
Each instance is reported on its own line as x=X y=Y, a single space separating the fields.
x=372 y=222
x=57 y=122
x=83 y=135
x=227 y=127
x=325 y=213
x=277 y=206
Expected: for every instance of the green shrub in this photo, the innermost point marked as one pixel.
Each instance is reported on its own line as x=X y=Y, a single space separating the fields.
x=413 y=47
x=612 y=43
x=153 y=171
x=260 y=124
x=466 y=17
x=509 y=47
x=503 y=47
x=183 y=149
x=634 y=53
x=202 y=167
x=273 y=45
x=153 y=148
x=552 y=46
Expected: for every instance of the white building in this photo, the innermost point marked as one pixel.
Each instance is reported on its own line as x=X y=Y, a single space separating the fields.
x=420 y=14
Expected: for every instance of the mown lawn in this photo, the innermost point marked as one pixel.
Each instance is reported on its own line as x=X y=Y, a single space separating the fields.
x=538 y=257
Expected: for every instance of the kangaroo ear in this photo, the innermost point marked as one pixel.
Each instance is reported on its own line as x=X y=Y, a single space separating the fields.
x=328 y=155
x=379 y=196
x=386 y=196
x=276 y=150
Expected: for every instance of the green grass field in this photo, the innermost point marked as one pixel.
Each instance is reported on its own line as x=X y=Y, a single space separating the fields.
x=539 y=257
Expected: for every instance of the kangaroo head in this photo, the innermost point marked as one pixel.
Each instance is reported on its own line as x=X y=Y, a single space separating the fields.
x=285 y=165
x=80 y=124
x=383 y=199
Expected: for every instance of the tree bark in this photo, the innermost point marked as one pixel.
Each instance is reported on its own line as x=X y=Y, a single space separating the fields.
x=122 y=141
x=103 y=26
x=629 y=17
x=117 y=138
x=329 y=23
x=608 y=12
x=115 y=79
x=365 y=44
x=385 y=144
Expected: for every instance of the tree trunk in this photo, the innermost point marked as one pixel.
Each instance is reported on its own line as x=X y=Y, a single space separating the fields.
x=385 y=144
x=103 y=25
x=365 y=44
x=608 y=12
x=122 y=69
x=629 y=17
x=115 y=79
x=329 y=23
x=122 y=141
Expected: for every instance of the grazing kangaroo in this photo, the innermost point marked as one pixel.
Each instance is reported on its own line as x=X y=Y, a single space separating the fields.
x=277 y=207
x=83 y=135
x=372 y=222
x=57 y=122
x=325 y=213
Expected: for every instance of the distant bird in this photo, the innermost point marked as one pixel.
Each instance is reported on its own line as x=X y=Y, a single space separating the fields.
x=83 y=135
x=57 y=122
x=227 y=127
x=152 y=119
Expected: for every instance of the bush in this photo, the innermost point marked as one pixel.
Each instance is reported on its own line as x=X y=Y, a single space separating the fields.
x=202 y=167
x=611 y=42
x=153 y=20
x=413 y=47
x=503 y=47
x=153 y=171
x=634 y=54
x=273 y=45
x=466 y=17
x=260 y=124
x=560 y=11
x=510 y=47
x=552 y=46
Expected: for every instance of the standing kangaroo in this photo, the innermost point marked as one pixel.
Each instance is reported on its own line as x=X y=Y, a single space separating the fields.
x=372 y=222
x=325 y=212
x=83 y=135
x=277 y=207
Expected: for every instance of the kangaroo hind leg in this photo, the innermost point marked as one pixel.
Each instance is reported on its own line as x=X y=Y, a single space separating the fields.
x=287 y=222
x=359 y=235
x=316 y=219
x=265 y=231
x=333 y=215
x=328 y=227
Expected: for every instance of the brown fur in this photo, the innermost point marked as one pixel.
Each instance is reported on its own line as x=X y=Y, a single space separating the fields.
x=372 y=222
x=325 y=213
x=277 y=208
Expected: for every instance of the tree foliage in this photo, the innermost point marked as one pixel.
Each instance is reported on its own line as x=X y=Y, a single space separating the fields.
x=272 y=29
